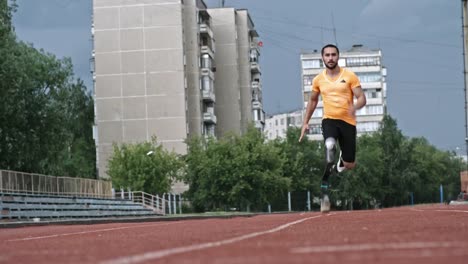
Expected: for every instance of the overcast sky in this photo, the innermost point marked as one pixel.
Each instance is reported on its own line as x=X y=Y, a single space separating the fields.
x=421 y=43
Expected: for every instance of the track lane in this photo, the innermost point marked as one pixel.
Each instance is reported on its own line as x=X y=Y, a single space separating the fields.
x=421 y=234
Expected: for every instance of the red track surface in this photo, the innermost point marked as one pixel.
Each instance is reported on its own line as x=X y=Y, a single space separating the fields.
x=420 y=234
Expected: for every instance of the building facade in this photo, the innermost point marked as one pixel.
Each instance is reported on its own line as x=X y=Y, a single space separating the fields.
x=238 y=87
x=155 y=74
x=367 y=64
x=277 y=125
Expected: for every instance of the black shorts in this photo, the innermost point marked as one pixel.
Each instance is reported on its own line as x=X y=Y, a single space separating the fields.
x=345 y=134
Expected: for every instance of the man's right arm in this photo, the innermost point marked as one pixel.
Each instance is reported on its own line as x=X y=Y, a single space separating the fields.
x=313 y=100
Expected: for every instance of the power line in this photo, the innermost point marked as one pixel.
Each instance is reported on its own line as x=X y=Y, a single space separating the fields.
x=294 y=40
x=295 y=23
x=445 y=84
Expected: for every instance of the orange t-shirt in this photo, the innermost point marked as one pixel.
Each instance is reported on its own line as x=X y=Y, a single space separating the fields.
x=337 y=94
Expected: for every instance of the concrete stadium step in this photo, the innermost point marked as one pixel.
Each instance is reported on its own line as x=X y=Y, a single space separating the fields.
x=31 y=198
x=30 y=206
x=64 y=207
x=79 y=214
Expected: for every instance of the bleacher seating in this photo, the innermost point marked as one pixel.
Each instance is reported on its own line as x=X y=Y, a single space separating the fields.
x=20 y=206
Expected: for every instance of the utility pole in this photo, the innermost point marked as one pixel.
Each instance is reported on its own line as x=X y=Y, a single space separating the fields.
x=465 y=63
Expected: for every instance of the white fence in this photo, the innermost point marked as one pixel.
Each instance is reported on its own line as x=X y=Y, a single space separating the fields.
x=158 y=204
x=21 y=182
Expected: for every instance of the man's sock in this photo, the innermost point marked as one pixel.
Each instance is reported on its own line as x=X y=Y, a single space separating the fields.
x=328 y=171
x=324 y=188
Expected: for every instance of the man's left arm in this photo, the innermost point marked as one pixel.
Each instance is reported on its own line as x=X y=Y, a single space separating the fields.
x=360 y=102
x=360 y=96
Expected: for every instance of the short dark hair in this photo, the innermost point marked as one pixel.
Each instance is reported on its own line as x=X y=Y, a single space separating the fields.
x=330 y=46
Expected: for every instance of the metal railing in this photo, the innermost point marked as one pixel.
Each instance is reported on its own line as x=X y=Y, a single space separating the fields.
x=156 y=203
x=21 y=182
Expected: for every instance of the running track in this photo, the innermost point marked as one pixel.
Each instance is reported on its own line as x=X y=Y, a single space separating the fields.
x=420 y=234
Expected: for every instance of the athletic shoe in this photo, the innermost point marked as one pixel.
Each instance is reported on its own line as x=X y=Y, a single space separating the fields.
x=325 y=204
x=339 y=165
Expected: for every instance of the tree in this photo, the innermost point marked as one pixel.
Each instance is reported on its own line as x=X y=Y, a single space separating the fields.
x=79 y=153
x=144 y=167
x=361 y=187
x=236 y=171
x=6 y=12
x=395 y=160
x=304 y=161
x=46 y=115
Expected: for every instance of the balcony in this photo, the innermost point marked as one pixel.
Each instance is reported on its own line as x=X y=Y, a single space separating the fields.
x=205 y=29
x=209 y=118
x=259 y=124
x=371 y=85
x=207 y=72
x=257 y=105
x=374 y=101
x=256 y=85
x=254 y=45
x=208 y=95
x=207 y=50
x=254 y=67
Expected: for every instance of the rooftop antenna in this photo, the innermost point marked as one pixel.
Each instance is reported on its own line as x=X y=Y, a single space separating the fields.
x=334 y=29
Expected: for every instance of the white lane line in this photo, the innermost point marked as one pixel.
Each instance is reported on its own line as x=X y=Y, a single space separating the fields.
x=456 y=211
x=376 y=246
x=447 y=210
x=88 y=232
x=166 y=252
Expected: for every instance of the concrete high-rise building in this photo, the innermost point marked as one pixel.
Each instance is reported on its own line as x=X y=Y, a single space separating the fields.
x=155 y=74
x=238 y=87
x=367 y=64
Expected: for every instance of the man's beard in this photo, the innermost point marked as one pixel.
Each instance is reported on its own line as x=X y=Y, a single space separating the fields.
x=332 y=67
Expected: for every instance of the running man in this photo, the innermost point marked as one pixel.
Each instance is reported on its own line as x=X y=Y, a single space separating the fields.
x=338 y=87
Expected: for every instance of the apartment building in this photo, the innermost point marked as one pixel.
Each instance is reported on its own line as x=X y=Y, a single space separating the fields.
x=156 y=74
x=238 y=87
x=367 y=64
x=277 y=125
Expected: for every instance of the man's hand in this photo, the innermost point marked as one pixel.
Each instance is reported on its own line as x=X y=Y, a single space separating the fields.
x=304 y=129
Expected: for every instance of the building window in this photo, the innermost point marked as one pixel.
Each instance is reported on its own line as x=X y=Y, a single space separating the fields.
x=315 y=129
x=375 y=110
x=371 y=110
x=308 y=79
x=363 y=127
x=253 y=55
x=206 y=83
x=206 y=61
x=373 y=93
x=342 y=62
x=363 y=61
x=312 y=64
x=318 y=112
x=366 y=77
x=299 y=121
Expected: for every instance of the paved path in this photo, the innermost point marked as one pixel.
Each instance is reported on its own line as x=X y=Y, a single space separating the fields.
x=420 y=234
